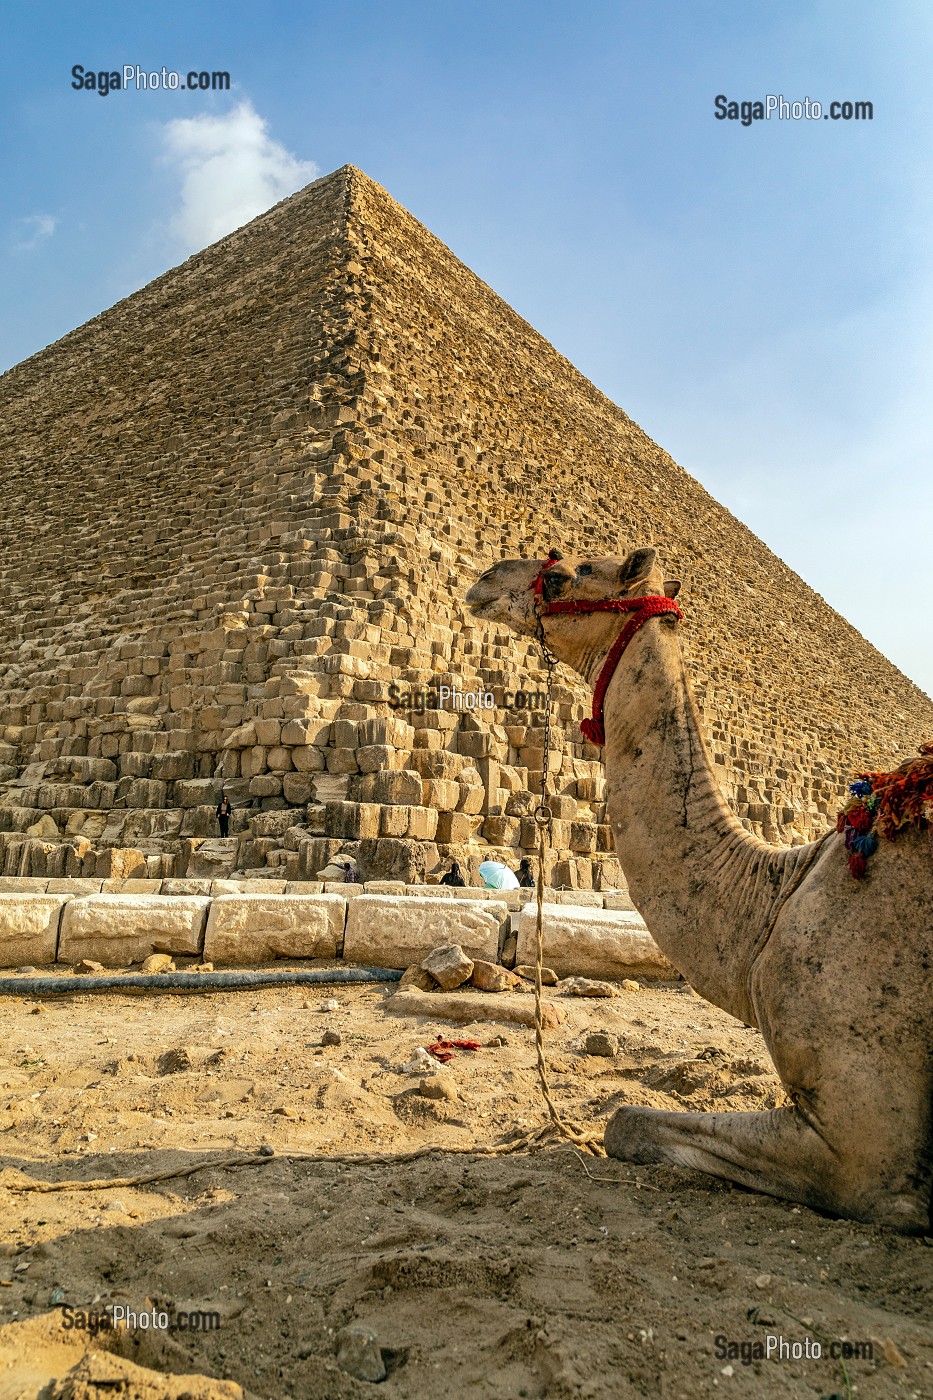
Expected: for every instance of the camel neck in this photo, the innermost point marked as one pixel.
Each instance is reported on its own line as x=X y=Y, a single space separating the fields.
x=703 y=884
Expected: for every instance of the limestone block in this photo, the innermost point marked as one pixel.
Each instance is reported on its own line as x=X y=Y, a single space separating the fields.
x=308 y=759
x=502 y=831
x=395 y=931
x=121 y=863
x=422 y=823
x=298 y=788
x=618 y=899
x=174 y=888
x=472 y=797
x=454 y=827
x=398 y=787
x=143 y=885
x=393 y=821
x=377 y=758
x=442 y=794
x=388 y=730
x=594 y=942
x=29 y=928
x=118 y=929
x=449 y=966
x=340 y=761
x=306 y=732
x=268 y=731
x=196 y=792
x=170 y=766
x=248 y=928
x=465 y=1007
x=359 y=820
x=212 y=859
x=265 y=785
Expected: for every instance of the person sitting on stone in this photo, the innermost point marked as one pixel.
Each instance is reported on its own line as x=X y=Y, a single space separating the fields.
x=453 y=876
x=224 y=808
x=526 y=876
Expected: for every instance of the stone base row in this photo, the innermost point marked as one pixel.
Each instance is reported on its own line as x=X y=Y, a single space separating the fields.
x=381 y=930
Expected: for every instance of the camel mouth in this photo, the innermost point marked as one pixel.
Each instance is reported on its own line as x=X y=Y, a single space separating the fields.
x=482 y=596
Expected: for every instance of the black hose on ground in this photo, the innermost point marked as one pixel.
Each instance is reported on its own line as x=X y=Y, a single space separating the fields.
x=191 y=981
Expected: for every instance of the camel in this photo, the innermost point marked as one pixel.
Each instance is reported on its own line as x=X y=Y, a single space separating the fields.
x=835 y=972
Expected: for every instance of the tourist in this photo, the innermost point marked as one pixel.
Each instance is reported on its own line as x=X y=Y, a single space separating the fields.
x=496 y=876
x=526 y=877
x=224 y=808
x=453 y=876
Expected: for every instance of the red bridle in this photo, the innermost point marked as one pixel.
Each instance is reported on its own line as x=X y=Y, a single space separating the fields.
x=643 y=608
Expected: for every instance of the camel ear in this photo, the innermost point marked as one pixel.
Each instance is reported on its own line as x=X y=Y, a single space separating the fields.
x=639 y=563
x=671 y=587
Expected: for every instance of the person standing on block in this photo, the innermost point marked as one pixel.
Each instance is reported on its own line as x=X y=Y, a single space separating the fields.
x=224 y=809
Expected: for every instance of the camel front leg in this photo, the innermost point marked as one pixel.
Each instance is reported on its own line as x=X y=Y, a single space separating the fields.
x=777 y=1153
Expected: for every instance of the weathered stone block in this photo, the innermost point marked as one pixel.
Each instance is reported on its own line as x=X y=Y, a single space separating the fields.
x=449 y=965
x=422 y=823
x=305 y=732
x=354 y=820
x=454 y=827
x=388 y=931
x=592 y=942
x=393 y=821
x=245 y=928
x=308 y=759
x=29 y=928
x=297 y=788
x=442 y=794
x=463 y=1007
x=122 y=928
x=212 y=859
x=398 y=787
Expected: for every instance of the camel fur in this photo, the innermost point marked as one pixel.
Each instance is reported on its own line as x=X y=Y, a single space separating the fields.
x=836 y=973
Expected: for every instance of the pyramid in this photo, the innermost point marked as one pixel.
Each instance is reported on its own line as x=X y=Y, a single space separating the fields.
x=243 y=507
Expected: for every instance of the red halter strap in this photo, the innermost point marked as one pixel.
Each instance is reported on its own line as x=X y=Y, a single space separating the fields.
x=650 y=605
x=537 y=583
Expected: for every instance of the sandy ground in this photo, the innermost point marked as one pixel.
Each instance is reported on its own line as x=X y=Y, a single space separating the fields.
x=526 y=1275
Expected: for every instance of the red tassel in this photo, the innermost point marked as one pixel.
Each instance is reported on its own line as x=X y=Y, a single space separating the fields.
x=594 y=730
x=858 y=865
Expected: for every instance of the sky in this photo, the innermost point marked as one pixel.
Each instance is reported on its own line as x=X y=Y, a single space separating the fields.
x=756 y=296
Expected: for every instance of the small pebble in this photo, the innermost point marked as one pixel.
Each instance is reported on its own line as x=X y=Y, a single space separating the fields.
x=601 y=1043
x=331 y=1038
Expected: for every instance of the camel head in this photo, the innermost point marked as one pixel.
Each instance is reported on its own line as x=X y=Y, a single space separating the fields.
x=506 y=593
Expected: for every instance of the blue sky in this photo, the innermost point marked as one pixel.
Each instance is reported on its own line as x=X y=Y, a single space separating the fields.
x=758 y=298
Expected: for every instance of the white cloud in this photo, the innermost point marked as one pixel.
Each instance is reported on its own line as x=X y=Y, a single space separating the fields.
x=32 y=230
x=230 y=170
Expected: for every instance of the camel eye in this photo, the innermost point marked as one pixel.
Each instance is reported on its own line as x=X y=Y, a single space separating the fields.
x=585 y=569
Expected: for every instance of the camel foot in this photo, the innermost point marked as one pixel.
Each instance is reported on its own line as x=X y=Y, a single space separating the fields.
x=777 y=1153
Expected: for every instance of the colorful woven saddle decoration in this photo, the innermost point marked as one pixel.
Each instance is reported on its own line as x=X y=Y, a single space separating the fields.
x=885 y=803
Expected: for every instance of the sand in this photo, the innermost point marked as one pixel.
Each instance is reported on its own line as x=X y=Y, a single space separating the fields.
x=536 y=1274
